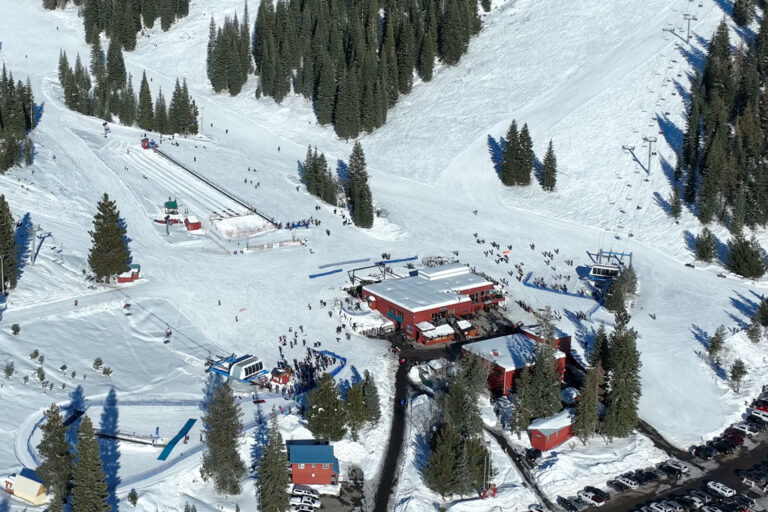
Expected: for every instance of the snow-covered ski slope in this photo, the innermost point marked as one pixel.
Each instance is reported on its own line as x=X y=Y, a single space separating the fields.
x=590 y=75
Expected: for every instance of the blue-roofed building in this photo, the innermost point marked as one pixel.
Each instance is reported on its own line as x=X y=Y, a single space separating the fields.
x=312 y=462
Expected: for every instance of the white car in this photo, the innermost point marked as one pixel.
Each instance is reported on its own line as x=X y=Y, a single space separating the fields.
x=710 y=509
x=682 y=466
x=674 y=505
x=626 y=481
x=304 y=490
x=744 y=427
x=704 y=497
x=302 y=508
x=591 y=498
x=720 y=489
x=305 y=500
x=660 y=507
x=697 y=502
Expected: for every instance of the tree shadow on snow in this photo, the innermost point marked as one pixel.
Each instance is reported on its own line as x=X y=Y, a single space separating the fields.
x=684 y=93
x=126 y=238
x=24 y=235
x=342 y=170
x=345 y=384
x=745 y=306
x=38 y=113
x=583 y=335
x=260 y=439
x=76 y=405
x=672 y=134
x=109 y=449
x=690 y=241
x=700 y=335
x=694 y=55
x=496 y=149
x=668 y=169
x=301 y=170
x=662 y=203
x=5 y=505
x=726 y=6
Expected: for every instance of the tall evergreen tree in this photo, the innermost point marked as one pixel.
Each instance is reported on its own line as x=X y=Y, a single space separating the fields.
x=109 y=253
x=145 y=114
x=347 y=115
x=359 y=192
x=115 y=66
x=545 y=383
x=743 y=11
x=599 y=348
x=8 y=248
x=526 y=158
x=355 y=409
x=273 y=474
x=89 y=493
x=223 y=423
x=510 y=156
x=371 y=399
x=326 y=415
x=56 y=467
x=586 y=420
x=549 y=169
x=745 y=257
x=439 y=471
x=624 y=384
x=128 y=104
x=161 y=113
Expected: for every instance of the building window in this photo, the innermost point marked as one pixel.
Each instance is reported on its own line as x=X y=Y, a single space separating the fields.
x=313 y=466
x=325 y=466
x=301 y=466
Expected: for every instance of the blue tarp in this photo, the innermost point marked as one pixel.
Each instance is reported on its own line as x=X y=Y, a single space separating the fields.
x=312 y=276
x=170 y=446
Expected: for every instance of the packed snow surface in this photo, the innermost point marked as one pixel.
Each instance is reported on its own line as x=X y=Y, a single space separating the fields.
x=591 y=76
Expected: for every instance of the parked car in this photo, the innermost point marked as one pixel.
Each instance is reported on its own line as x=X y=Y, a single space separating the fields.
x=605 y=495
x=591 y=498
x=304 y=490
x=710 y=509
x=657 y=506
x=692 y=502
x=628 y=481
x=302 y=508
x=682 y=466
x=535 y=508
x=670 y=470
x=703 y=496
x=732 y=432
x=720 y=489
x=617 y=486
x=744 y=427
x=721 y=446
x=745 y=500
x=567 y=504
x=305 y=500
x=677 y=507
x=732 y=506
x=580 y=504
x=638 y=476
x=532 y=454
x=703 y=452
x=756 y=422
x=734 y=437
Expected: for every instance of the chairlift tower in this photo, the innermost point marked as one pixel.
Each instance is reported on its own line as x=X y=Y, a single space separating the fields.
x=651 y=141
x=689 y=18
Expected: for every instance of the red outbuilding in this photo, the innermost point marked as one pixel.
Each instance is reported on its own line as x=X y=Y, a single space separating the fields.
x=192 y=223
x=312 y=462
x=431 y=296
x=546 y=433
x=508 y=356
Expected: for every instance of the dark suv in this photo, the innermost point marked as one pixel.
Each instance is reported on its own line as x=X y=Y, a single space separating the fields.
x=567 y=504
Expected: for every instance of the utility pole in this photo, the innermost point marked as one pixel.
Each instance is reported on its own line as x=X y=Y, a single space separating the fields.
x=650 y=141
x=688 y=18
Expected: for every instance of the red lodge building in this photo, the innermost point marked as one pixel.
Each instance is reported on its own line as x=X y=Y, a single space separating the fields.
x=508 y=355
x=546 y=433
x=312 y=462
x=420 y=304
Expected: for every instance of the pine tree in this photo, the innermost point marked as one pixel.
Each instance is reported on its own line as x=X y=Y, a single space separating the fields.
x=523 y=399
x=716 y=343
x=761 y=315
x=675 y=204
x=755 y=332
x=326 y=91
x=326 y=416
x=109 y=253
x=586 y=420
x=439 y=471
x=371 y=399
x=549 y=169
x=427 y=57
x=545 y=383
x=115 y=67
x=510 y=157
x=526 y=158
x=743 y=12
x=63 y=66
x=347 y=114
x=89 y=492
x=706 y=245
x=738 y=372
x=745 y=257
x=128 y=104
x=8 y=249
x=56 y=467
x=149 y=12
x=223 y=423
x=624 y=384
x=599 y=348
x=355 y=409
x=161 y=113
x=145 y=114
x=459 y=407
x=273 y=476
x=359 y=193
x=210 y=49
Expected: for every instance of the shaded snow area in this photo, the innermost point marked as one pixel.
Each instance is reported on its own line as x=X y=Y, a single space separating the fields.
x=592 y=76
x=412 y=495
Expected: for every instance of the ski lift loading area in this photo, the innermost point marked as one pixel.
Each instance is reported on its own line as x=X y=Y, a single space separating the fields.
x=607 y=265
